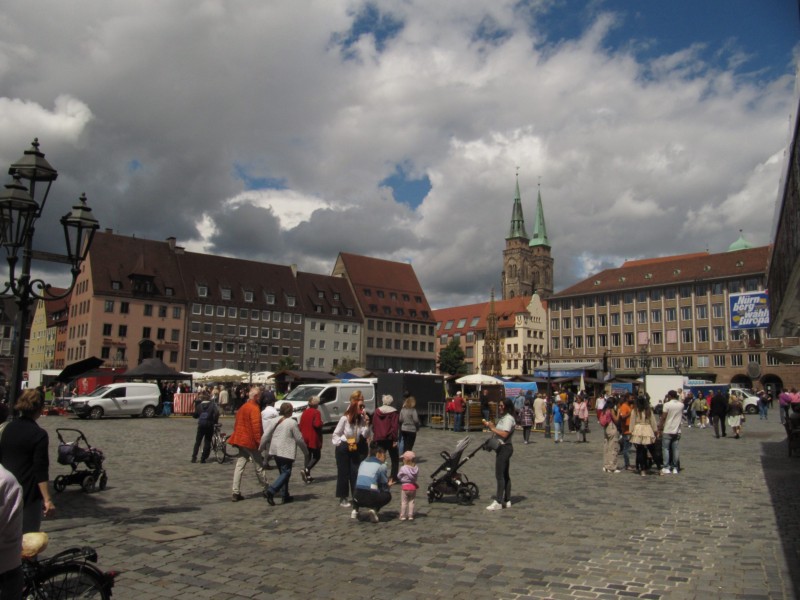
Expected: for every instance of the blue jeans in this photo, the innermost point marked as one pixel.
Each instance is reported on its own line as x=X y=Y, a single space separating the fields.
x=282 y=480
x=669 y=448
x=762 y=410
x=559 y=435
x=458 y=421
x=626 y=448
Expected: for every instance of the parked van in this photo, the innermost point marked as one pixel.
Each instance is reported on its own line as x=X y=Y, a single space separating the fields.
x=749 y=400
x=334 y=398
x=117 y=399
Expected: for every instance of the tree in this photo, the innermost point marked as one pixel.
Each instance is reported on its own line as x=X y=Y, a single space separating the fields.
x=451 y=359
x=348 y=364
x=286 y=363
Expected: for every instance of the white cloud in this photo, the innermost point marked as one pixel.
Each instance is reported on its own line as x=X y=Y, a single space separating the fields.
x=634 y=158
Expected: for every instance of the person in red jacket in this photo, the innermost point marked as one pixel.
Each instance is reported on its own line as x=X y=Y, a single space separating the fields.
x=311 y=429
x=246 y=436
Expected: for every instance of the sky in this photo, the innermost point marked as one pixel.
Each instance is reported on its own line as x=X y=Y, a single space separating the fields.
x=291 y=131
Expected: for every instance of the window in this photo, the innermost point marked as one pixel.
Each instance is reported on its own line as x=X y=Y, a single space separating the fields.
x=554 y=324
x=270 y=298
x=202 y=291
x=628 y=316
x=276 y=334
x=175 y=335
x=208 y=310
x=578 y=322
x=628 y=337
x=700 y=290
x=148 y=310
x=669 y=293
x=116 y=285
x=221 y=311
x=601 y=320
x=655 y=294
x=702 y=334
x=701 y=311
x=736 y=360
x=655 y=315
x=718 y=333
x=656 y=338
x=602 y=341
x=161 y=333
x=123 y=331
x=225 y=293
x=615 y=340
x=614 y=319
x=194 y=345
x=641 y=317
x=627 y=297
x=106 y=328
x=686 y=335
x=124 y=308
x=566 y=322
x=105 y=352
x=719 y=360
x=686 y=313
x=751 y=284
x=146 y=333
x=590 y=321
x=248 y=296
x=754 y=358
x=554 y=343
x=290 y=301
x=109 y=306
x=686 y=291
x=590 y=341
x=168 y=291
x=641 y=296
x=717 y=311
x=670 y=314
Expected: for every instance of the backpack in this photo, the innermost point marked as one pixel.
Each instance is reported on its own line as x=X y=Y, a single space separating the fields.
x=206 y=418
x=605 y=418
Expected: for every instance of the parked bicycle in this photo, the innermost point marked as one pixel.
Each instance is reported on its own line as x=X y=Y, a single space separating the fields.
x=219 y=444
x=67 y=575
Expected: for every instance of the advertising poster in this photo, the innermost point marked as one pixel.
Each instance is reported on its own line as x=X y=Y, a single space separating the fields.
x=749 y=310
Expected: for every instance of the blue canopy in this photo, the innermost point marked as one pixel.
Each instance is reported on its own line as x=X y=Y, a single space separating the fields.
x=515 y=388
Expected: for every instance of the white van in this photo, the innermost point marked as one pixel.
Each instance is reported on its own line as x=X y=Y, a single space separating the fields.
x=749 y=400
x=117 y=399
x=334 y=398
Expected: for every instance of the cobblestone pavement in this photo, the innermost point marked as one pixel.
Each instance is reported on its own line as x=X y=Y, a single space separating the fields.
x=726 y=527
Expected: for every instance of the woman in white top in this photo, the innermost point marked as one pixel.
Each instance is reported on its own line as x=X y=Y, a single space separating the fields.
x=351 y=429
x=504 y=430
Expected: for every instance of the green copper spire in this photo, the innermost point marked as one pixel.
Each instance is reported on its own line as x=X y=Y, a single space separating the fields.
x=539 y=229
x=517 y=220
x=740 y=244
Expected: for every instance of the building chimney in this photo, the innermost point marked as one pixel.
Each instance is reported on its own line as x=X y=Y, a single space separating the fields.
x=171 y=241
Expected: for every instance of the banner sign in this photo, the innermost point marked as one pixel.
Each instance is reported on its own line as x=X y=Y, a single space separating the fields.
x=555 y=373
x=749 y=310
x=517 y=388
x=619 y=388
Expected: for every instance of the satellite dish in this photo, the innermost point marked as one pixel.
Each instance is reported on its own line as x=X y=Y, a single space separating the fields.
x=753 y=370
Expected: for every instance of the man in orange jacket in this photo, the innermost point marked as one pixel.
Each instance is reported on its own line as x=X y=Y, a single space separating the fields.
x=246 y=436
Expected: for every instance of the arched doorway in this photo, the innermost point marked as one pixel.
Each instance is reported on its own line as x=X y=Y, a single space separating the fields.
x=772 y=384
x=146 y=348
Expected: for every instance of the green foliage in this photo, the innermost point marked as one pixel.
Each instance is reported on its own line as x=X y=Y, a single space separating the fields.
x=451 y=359
x=286 y=363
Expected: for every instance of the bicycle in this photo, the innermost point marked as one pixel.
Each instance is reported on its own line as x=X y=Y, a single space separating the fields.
x=219 y=444
x=67 y=575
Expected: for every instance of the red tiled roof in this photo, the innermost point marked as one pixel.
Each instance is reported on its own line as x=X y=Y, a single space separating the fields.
x=673 y=270
x=57 y=310
x=506 y=311
x=310 y=285
x=396 y=281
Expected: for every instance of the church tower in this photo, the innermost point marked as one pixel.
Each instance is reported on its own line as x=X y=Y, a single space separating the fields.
x=541 y=259
x=517 y=275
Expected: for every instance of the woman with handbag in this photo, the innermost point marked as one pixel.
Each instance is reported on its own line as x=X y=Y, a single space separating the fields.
x=503 y=432
x=351 y=429
x=643 y=434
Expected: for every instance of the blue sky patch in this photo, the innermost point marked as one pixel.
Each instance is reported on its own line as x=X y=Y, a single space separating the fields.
x=369 y=21
x=257 y=183
x=410 y=192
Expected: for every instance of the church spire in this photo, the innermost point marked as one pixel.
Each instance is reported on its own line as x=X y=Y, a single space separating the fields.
x=539 y=229
x=517 y=229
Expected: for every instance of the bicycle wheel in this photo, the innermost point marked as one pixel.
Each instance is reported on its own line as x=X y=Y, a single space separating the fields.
x=72 y=580
x=220 y=452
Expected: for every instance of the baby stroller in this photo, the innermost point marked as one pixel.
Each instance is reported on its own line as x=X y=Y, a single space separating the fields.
x=79 y=452
x=447 y=480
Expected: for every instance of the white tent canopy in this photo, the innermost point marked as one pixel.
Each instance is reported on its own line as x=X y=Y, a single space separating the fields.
x=479 y=379
x=219 y=374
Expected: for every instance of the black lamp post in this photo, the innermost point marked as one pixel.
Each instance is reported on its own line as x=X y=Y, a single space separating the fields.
x=681 y=367
x=19 y=211
x=248 y=356
x=644 y=364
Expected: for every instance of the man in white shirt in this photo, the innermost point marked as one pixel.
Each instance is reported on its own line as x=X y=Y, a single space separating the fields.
x=670 y=427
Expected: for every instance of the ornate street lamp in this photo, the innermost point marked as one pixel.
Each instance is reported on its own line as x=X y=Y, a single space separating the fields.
x=644 y=363
x=19 y=211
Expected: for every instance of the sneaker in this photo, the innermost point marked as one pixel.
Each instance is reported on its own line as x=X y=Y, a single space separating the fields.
x=304 y=475
x=344 y=503
x=403 y=518
x=410 y=518
x=270 y=497
x=507 y=504
x=236 y=497
x=354 y=514
x=494 y=506
x=614 y=471
x=665 y=471
x=674 y=471
x=373 y=515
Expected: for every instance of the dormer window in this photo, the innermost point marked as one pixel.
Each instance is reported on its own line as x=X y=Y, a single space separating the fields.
x=202 y=291
x=320 y=294
x=225 y=293
x=290 y=301
x=248 y=296
x=367 y=292
x=270 y=298
x=336 y=296
x=116 y=285
x=168 y=291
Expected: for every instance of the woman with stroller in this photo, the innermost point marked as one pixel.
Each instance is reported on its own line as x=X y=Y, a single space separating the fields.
x=643 y=434
x=23 y=451
x=351 y=429
x=504 y=430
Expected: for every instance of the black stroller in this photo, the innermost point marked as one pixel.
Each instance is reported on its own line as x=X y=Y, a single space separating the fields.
x=447 y=480
x=79 y=452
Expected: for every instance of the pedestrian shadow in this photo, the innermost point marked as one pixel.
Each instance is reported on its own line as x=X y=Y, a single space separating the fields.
x=782 y=475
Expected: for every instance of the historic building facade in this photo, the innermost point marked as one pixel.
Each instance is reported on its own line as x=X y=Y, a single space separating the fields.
x=672 y=315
